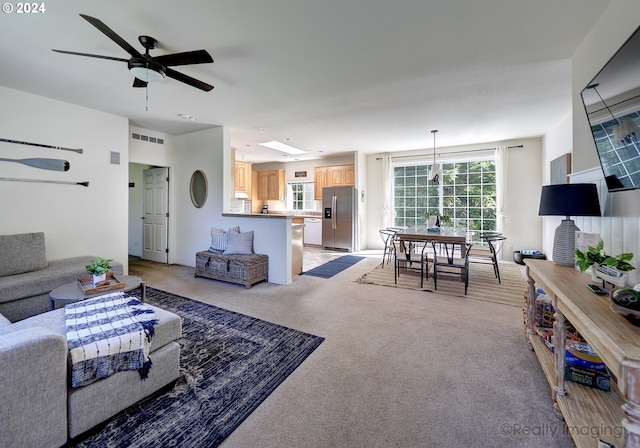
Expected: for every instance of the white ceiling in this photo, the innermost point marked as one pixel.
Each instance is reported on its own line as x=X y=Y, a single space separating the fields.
x=333 y=75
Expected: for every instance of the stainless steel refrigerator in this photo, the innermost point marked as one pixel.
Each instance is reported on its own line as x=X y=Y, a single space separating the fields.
x=339 y=218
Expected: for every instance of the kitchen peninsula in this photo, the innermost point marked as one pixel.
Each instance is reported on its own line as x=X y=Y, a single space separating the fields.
x=272 y=236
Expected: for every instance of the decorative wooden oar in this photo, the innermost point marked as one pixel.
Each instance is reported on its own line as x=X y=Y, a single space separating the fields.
x=15 y=179
x=45 y=164
x=62 y=148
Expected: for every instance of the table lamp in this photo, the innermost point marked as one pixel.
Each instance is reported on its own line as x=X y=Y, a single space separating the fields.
x=568 y=200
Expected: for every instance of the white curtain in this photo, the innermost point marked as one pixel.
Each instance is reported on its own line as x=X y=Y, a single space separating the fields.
x=387 y=185
x=502 y=163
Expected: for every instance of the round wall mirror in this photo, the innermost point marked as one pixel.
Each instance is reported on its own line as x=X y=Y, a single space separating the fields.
x=198 y=188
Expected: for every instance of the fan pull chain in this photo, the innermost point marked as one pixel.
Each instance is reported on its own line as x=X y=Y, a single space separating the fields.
x=146 y=103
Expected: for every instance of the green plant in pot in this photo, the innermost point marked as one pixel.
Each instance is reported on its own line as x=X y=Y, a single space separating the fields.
x=99 y=268
x=596 y=257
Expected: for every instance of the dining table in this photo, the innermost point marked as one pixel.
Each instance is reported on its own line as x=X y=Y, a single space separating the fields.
x=429 y=234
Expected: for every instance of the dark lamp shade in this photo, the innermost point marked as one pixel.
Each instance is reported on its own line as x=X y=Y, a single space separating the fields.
x=569 y=200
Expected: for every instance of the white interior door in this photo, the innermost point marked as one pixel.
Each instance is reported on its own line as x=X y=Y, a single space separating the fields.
x=155 y=216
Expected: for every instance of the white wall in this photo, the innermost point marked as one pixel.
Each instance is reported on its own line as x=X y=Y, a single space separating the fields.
x=556 y=143
x=620 y=225
x=203 y=150
x=76 y=220
x=523 y=228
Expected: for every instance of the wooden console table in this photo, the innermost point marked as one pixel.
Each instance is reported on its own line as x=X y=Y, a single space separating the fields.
x=590 y=414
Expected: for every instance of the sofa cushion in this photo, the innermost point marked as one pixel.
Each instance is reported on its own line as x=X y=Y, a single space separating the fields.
x=168 y=328
x=28 y=284
x=23 y=252
x=5 y=325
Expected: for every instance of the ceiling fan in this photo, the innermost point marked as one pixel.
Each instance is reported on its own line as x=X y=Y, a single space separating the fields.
x=147 y=68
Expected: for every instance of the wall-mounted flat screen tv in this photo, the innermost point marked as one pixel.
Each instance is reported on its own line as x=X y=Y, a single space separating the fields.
x=612 y=103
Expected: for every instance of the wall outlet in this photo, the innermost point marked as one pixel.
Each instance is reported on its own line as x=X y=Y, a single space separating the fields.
x=510 y=247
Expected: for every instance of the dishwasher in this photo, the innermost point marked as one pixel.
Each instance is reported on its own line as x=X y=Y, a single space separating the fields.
x=313 y=231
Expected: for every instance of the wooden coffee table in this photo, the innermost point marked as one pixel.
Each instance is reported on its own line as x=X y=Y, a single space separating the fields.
x=71 y=292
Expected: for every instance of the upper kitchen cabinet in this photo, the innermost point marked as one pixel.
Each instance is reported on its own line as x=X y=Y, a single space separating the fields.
x=270 y=185
x=330 y=176
x=243 y=178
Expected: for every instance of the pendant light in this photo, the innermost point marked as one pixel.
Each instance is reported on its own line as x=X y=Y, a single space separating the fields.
x=435 y=173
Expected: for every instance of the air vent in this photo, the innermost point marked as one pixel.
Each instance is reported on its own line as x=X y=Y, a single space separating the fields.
x=146 y=138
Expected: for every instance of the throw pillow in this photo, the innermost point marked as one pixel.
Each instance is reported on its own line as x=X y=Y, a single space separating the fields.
x=240 y=244
x=5 y=325
x=219 y=238
x=21 y=253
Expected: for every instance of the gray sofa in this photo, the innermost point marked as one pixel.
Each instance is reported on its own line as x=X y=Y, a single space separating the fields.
x=40 y=408
x=26 y=277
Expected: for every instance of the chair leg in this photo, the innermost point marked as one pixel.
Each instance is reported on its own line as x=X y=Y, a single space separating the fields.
x=435 y=276
x=497 y=269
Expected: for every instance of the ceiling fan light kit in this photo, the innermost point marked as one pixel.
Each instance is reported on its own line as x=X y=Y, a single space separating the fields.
x=146 y=70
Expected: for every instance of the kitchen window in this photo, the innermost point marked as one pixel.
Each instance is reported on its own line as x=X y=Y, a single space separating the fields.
x=300 y=196
x=466 y=194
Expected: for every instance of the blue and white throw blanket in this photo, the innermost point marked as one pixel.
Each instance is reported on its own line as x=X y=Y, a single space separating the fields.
x=108 y=334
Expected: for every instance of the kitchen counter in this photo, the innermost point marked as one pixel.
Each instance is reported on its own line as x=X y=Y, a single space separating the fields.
x=259 y=215
x=274 y=215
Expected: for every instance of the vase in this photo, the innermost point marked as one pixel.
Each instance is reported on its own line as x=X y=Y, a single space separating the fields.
x=99 y=278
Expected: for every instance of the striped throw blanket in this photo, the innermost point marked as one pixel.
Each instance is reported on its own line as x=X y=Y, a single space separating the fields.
x=108 y=334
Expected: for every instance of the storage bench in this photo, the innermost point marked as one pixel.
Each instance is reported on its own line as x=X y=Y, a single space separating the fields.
x=243 y=269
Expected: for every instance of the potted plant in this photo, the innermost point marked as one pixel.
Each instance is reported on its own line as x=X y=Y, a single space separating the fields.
x=605 y=267
x=98 y=269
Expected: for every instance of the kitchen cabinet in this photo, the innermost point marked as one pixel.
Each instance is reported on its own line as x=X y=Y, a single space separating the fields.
x=331 y=176
x=243 y=178
x=270 y=185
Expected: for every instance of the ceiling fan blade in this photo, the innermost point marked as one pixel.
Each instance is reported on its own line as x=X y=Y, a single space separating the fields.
x=139 y=83
x=112 y=35
x=188 y=80
x=90 y=55
x=186 y=58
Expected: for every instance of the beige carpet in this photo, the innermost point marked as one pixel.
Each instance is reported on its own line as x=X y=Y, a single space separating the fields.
x=483 y=285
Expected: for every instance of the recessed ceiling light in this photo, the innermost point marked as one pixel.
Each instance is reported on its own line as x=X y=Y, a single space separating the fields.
x=287 y=139
x=259 y=129
x=187 y=117
x=282 y=147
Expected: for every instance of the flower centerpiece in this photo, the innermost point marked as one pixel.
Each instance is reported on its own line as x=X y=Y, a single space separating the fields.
x=603 y=266
x=98 y=269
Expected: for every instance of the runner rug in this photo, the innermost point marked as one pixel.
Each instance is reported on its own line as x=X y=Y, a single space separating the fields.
x=483 y=285
x=231 y=362
x=333 y=267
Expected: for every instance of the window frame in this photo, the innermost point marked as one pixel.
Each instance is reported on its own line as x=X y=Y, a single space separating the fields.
x=308 y=200
x=467 y=210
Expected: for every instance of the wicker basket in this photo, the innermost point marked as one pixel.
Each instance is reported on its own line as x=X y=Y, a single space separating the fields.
x=242 y=269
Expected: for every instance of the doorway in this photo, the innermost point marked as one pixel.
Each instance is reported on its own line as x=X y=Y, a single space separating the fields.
x=148 y=212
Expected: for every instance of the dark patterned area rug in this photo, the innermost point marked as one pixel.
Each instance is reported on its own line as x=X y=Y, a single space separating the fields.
x=231 y=362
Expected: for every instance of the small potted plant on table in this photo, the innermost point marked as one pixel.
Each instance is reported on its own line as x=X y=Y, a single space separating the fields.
x=98 y=269
x=603 y=266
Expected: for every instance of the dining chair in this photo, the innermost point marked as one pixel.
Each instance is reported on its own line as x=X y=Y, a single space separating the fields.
x=488 y=253
x=408 y=254
x=388 y=236
x=451 y=258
